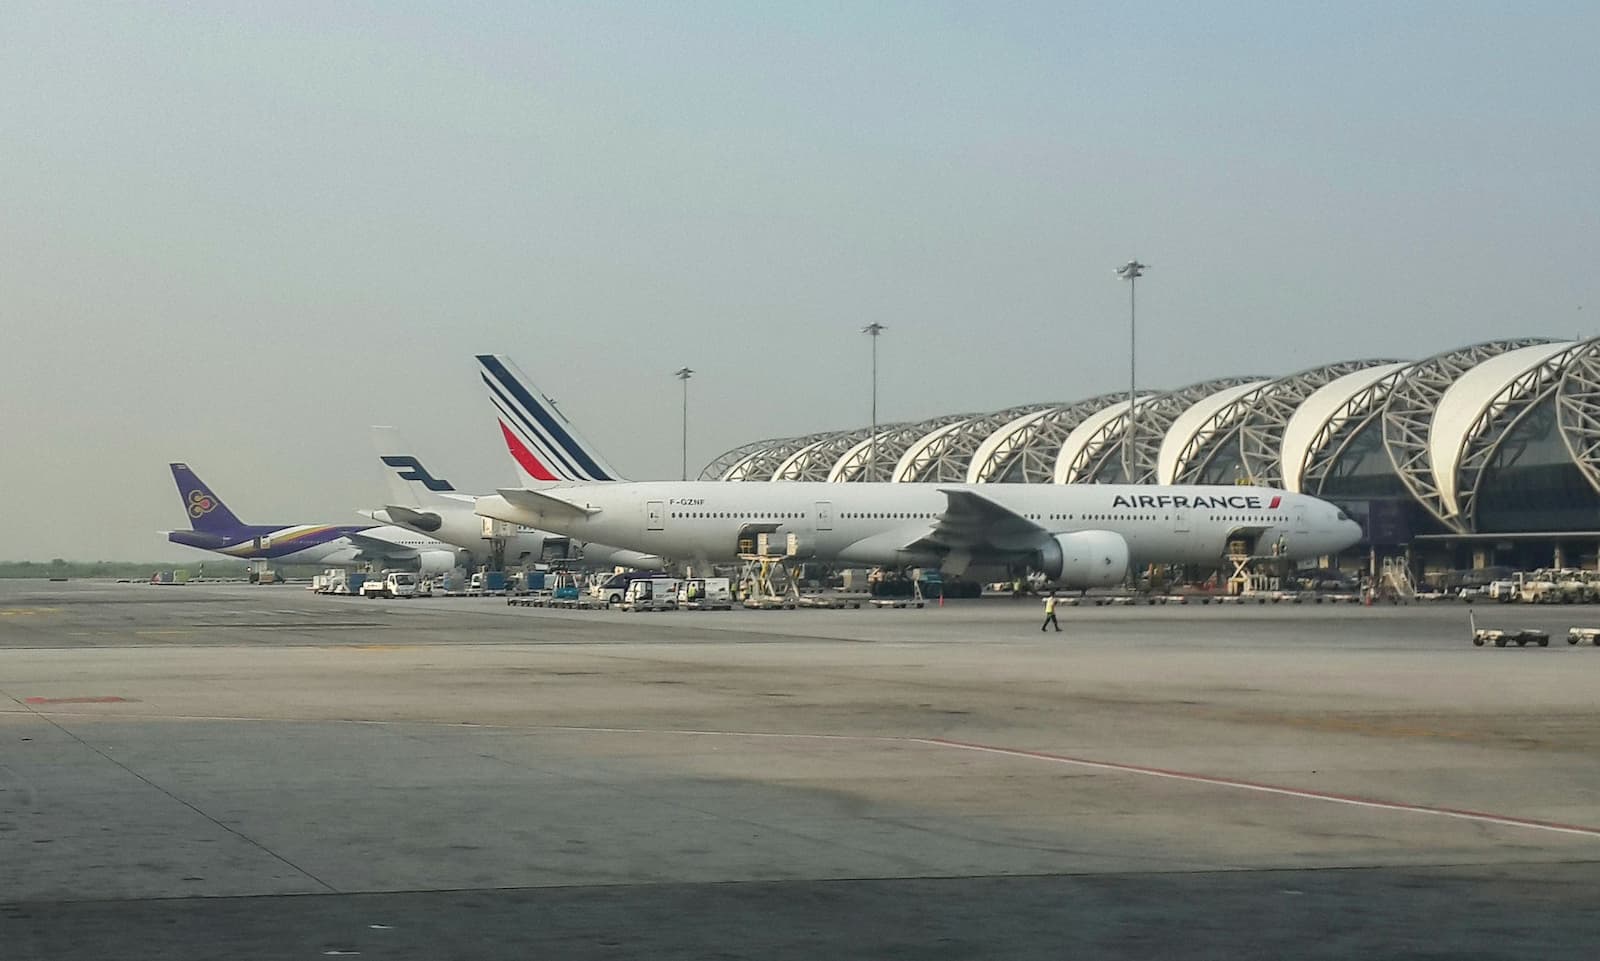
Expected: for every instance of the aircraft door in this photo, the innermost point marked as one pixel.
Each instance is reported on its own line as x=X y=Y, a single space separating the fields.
x=824 y=515
x=655 y=516
x=1300 y=520
x=1180 y=520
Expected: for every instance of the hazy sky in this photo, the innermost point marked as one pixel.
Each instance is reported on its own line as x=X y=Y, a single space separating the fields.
x=237 y=235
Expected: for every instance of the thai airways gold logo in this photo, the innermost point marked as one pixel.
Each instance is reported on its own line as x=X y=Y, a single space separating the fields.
x=201 y=503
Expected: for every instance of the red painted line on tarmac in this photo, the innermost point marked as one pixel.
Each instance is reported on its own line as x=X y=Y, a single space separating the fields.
x=1350 y=799
x=75 y=700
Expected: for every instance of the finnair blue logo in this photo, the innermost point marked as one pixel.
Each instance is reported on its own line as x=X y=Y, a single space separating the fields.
x=411 y=469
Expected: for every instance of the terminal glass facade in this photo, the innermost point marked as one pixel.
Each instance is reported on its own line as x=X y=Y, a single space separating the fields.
x=1532 y=483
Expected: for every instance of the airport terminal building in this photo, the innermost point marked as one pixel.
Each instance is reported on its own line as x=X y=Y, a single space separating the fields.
x=1483 y=455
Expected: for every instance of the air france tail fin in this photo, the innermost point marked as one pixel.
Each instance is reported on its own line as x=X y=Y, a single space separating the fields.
x=206 y=510
x=542 y=442
x=410 y=484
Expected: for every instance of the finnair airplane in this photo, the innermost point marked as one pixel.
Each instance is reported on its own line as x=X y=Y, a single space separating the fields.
x=421 y=502
x=1086 y=535
x=215 y=528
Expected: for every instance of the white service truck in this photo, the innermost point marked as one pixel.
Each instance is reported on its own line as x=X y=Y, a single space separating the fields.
x=391 y=584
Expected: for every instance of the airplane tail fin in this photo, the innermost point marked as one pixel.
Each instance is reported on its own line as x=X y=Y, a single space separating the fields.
x=410 y=483
x=544 y=445
x=206 y=510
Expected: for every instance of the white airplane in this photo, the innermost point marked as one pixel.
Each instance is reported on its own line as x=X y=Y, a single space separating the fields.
x=1078 y=536
x=213 y=527
x=431 y=505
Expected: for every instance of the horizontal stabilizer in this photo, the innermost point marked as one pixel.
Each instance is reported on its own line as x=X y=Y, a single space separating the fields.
x=543 y=503
x=378 y=547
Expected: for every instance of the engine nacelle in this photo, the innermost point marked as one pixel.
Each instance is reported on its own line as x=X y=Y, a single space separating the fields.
x=1085 y=559
x=437 y=562
x=425 y=521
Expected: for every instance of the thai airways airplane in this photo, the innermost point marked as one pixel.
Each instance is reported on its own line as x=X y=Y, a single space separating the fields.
x=421 y=502
x=215 y=528
x=1085 y=535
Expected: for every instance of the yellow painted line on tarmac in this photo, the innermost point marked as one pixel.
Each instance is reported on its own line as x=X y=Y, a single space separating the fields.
x=28 y=611
x=162 y=633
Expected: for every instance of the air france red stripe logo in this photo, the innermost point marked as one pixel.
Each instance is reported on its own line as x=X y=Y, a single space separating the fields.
x=524 y=457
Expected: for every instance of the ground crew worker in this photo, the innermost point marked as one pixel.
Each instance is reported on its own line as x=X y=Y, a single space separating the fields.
x=1050 y=613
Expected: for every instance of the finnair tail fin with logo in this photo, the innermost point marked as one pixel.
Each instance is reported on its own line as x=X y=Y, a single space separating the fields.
x=410 y=483
x=206 y=510
x=544 y=445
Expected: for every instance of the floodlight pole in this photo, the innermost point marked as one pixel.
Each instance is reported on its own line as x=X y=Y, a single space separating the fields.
x=684 y=374
x=873 y=330
x=1131 y=272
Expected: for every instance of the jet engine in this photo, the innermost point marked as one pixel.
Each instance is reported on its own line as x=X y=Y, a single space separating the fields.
x=425 y=521
x=1085 y=559
x=436 y=562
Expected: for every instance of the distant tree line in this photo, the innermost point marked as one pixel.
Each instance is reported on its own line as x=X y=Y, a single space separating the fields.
x=60 y=567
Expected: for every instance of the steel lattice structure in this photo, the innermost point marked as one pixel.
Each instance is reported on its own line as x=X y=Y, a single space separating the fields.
x=814 y=462
x=760 y=463
x=1408 y=414
x=1254 y=423
x=1102 y=457
x=944 y=456
x=1025 y=449
x=1498 y=419
x=1337 y=431
x=1578 y=410
x=717 y=469
x=863 y=463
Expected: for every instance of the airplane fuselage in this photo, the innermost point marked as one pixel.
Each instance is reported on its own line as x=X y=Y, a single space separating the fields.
x=895 y=524
x=305 y=543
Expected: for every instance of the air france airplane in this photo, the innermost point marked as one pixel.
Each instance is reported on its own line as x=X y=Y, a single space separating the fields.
x=1086 y=535
x=421 y=502
x=215 y=528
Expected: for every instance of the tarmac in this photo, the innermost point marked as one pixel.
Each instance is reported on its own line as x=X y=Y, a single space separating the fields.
x=229 y=771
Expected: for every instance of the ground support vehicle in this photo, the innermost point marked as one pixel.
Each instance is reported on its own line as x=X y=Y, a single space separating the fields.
x=706 y=594
x=651 y=594
x=1500 y=638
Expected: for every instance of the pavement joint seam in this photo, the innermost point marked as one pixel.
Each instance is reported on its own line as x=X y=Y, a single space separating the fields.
x=185 y=803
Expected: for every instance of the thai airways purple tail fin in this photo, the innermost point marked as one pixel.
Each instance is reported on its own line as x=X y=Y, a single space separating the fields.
x=206 y=510
x=545 y=446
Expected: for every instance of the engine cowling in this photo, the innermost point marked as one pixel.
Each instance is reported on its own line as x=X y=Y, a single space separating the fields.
x=1085 y=559
x=425 y=521
x=437 y=562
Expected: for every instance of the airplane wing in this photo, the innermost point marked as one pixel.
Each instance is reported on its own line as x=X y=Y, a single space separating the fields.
x=974 y=524
x=544 y=503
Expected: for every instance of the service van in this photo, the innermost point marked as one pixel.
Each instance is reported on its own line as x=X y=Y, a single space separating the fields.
x=613 y=589
x=706 y=594
x=651 y=594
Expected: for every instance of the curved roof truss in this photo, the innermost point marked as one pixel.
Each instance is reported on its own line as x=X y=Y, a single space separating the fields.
x=759 y=464
x=1408 y=414
x=1578 y=410
x=814 y=461
x=1025 y=448
x=944 y=456
x=718 y=469
x=873 y=459
x=1153 y=418
x=1261 y=429
x=1499 y=417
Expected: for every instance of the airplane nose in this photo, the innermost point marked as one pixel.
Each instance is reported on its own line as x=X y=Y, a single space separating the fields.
x=1352 y=533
